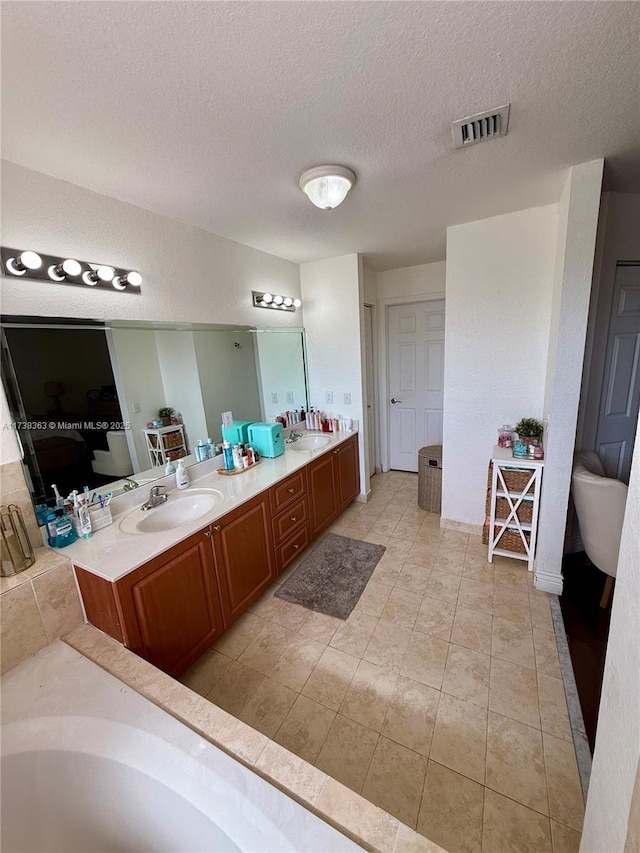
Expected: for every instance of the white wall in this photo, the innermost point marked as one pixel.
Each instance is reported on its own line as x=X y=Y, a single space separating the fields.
x=369 y=285
x=181 y=382
x=281 y=369
x=332 y=293
x=577 y=226
x=499 y=280
x=617 y=749
x=189 y=274
x=419 y=280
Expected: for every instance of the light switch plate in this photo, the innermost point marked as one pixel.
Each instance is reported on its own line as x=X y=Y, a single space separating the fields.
x=227 y=420
x=274 y=396
x=289 y=397
x=136 y=408
x=328 y=398
x=347 y=398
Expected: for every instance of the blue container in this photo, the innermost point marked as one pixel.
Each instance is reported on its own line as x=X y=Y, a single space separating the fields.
x=268 y=439
x=238 y=433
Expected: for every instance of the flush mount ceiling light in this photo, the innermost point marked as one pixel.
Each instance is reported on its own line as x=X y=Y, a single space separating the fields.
x=327 y=186
x=65 y=270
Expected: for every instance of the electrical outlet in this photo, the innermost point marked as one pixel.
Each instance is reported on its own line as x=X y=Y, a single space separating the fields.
x=289 y=397
x=274 y=397
x=136 y=408
x=328 y=398
x=347 y=398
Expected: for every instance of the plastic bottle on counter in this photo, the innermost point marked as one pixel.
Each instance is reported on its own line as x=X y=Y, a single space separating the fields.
x=227 y=451
x=182 y=476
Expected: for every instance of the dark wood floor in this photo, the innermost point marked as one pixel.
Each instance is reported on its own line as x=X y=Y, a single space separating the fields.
x=587 y=628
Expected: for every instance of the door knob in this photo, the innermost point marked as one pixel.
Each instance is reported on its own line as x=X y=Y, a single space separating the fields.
x=395 y=400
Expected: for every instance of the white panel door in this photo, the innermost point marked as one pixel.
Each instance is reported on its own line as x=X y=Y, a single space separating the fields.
x=416 y=380
x=620 y=397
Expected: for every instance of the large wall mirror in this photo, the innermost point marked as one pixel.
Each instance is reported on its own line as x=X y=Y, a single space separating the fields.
x=83 y=393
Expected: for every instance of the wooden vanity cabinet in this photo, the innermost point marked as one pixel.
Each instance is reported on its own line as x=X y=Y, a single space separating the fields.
x=333 y=484
x=167 y=611
x=244 y=559
x=290 y=518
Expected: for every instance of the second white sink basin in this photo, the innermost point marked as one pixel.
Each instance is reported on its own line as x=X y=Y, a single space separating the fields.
x=311 y=442
x=179 y=509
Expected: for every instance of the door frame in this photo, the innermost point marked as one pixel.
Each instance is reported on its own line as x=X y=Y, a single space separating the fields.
x=373 y=449
x=383 y=363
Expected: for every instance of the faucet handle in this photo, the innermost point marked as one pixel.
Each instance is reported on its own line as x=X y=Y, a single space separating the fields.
x=157 y=490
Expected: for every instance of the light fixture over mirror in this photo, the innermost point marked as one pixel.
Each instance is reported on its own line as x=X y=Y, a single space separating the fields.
x=327 y=186
x=64 y=270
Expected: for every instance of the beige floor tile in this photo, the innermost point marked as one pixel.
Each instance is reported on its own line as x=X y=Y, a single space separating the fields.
x=359 y=529
x=365 y=820
x=369 y=695
x=541 y=613
x=206 y=672
x=395 y=780
x=546 y=650
x=428 y=534
x=451 y=562
x=235 y=688
x=291 y=772
x=330 y=680
x=515 y=762
x=375 y=537
x=262 y=653
x=407 y=529
x=385 y=525
x=290 y=616
x=268 y=707
x=347 y=752
x=455 y=540
x=513 y=642
x=478 y=570
x=467 y=675
x=267 y=605
x=509 y=827
x=410 y=841
x=476 y=595
x=401 y=608
x=305 y=728
x=387 y=570
x=425 y=659
x=373 y=598
x=387 y=645
x=511 y=604
x=443 y=586
x=422 y=555
x=319 y=627
x=236 y=638
x=514 y=692
x=515 y=577
x=413 y=578
x=472 y=629
x=460 y=737
x=554 y=716
x=398 y=547
x=451 y=810
x=566 y=803
x=353 y=635
x=565 y=840
x=435 y=617
x=297 y=661
x=411 y=715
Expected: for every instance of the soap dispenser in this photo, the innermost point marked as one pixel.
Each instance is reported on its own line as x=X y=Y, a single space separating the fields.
x=182 y=476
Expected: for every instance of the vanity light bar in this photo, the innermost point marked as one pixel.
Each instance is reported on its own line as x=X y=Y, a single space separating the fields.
x=274 y=300
x=52 y=269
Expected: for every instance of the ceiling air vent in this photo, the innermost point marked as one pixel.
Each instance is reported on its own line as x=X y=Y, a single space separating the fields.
x=481 y=127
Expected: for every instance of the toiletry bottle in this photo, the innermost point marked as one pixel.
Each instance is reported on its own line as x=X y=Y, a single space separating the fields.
x=170 y=468
x=228 y=455
x=201 y=450
x=237 y=457
x=84 y=519
x=211 y=448
x=182 y=476
x=57 y=495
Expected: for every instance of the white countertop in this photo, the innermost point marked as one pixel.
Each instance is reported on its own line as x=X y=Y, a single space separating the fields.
x=112 y=554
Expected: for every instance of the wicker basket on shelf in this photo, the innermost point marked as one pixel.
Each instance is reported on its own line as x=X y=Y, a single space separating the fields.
x=511 y=540
x=524 y=511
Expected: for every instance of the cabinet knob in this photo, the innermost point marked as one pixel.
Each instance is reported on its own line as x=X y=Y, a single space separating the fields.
x=296 y=546
x=217 y=527
x=207 y=533
x=291 y=490
x=293 y=518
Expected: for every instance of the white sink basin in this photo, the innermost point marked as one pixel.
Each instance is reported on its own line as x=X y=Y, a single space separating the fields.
x=178 y=510
x=311 y=442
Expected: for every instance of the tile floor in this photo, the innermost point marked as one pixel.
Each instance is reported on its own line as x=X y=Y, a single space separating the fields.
x=439 y=699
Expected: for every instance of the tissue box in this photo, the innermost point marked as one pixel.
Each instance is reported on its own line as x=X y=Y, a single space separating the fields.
x=238 y=433
x=268 y=439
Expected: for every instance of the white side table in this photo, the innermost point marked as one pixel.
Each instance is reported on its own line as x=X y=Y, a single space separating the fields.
x=515 y=493
x=169 y=439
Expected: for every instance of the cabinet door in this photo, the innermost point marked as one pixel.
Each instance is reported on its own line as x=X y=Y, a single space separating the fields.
x=243 y=547
x=347 y=472
x=322 y=492
x=170 y=606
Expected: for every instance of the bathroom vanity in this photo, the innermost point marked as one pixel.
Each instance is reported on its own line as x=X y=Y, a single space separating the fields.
x=172 y=605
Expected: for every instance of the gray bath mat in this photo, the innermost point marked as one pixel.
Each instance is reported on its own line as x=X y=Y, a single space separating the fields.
x=331 y=579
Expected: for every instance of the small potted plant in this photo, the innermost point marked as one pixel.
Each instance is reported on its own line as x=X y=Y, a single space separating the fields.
x=165 y=414
x=529 y=432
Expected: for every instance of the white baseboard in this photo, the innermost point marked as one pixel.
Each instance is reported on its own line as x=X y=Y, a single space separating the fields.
x=548 y=582
x=363 y=498
x=461 y=526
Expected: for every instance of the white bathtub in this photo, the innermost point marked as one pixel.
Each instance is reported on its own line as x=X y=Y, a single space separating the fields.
x=90 y=765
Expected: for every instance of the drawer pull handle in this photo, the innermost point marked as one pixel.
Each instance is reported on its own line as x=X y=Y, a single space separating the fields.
x=294 y=518
x=217 y=527
x=291 y=490
x=296 y=546
x=207 y=533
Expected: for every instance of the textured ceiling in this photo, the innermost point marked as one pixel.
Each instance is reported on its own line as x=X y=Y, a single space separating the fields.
x=208 y=112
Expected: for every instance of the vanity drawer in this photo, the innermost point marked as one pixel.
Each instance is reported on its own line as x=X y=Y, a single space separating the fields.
x=290 y=549
x=287 y=491
x=289 y=519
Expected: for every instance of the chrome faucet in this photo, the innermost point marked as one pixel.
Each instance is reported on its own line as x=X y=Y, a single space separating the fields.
x=156 y=497
x=129 y=484
x=294 y=435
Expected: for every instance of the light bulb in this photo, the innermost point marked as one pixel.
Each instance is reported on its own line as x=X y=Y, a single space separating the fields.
x=288 y=301
x=134 y=278
x=105 y=273
x=55 y=272
x=278 y=300
x=71 y=267
x=297 y=303
x=119 y=282
x=30 y=260
x=267 y=298
x=90 y=277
